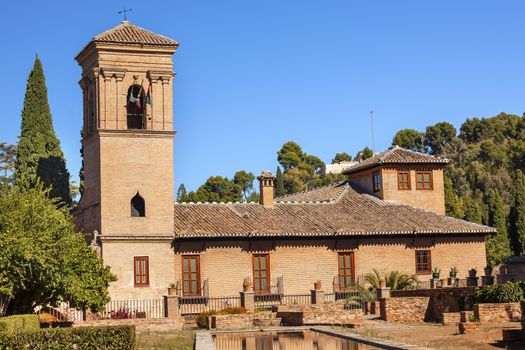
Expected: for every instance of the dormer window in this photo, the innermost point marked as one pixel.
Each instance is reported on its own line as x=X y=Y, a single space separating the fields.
x=403 y=180
x=424 y=180
x=376 y=181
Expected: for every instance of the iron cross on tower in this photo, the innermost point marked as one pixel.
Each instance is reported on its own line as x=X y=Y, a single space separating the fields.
x=125 y=12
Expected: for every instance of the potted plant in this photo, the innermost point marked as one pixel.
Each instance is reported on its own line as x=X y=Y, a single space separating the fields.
x=452 y=274
x=317 y=285
x=172 y=289
x=246 y=285
x=472 y=273
x=435 y=273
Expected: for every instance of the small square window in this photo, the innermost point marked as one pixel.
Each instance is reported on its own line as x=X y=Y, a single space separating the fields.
x=424 y=180
x=423 y=262
x=403 y=180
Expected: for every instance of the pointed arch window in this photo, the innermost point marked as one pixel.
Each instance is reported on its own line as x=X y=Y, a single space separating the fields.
x=138 y=206
x=136 y=107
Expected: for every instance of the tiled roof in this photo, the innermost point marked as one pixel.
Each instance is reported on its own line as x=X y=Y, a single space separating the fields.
x=127 y=33
x=395 y=155
x=338 y=211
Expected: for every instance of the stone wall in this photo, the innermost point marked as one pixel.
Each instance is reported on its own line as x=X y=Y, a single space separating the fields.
x=500 y=312
x=230 y=321
x=442 y=300
x=323 y=314
x=405 y=309
x=141 y=324
x=451 y=318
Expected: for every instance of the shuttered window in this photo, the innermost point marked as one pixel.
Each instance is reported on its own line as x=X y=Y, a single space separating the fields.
x=141 y=270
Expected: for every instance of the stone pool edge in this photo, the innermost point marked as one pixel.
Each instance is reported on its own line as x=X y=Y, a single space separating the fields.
x=204 y=339
x=380 y=343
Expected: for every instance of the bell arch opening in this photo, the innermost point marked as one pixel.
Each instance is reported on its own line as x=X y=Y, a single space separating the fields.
x=136 y=107
x=138 y=206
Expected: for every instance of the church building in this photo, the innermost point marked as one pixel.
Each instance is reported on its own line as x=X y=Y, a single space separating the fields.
x=389 y=214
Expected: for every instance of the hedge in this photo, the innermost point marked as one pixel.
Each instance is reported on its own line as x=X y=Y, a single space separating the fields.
x=19 y=323
x=501 y=293
x=85 y=338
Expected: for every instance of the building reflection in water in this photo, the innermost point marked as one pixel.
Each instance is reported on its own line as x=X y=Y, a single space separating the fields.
x=285 y=341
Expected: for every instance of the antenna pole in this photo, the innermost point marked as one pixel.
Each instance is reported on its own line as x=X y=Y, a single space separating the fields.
x=373 y=136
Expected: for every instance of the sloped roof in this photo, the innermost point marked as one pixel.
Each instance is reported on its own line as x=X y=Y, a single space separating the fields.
x=396 y=155
x=336 y=210
x=127 y=33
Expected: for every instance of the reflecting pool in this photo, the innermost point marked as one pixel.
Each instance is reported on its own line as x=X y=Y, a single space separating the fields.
x=285 y=341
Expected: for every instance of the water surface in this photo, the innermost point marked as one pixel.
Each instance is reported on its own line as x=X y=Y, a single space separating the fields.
x=285 y=341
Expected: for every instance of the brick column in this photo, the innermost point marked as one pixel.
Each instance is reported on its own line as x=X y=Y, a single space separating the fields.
x=248 y=301
x=383 y=293
x=171 y=304
x=317 y=296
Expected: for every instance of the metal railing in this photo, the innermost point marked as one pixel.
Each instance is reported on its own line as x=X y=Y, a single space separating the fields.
x=122 y=309
x=202 y=290
x=61 y=312
x=193 y=306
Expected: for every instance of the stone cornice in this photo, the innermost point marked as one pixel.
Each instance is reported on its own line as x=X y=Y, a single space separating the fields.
x=164 y=76
x=110 y=72
x=136 y=133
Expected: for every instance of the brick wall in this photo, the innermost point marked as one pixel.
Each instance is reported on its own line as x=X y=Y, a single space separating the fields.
x=322 y=314
x=404 y=309
x=442 y=300
x=141 y=325
x=500 y=312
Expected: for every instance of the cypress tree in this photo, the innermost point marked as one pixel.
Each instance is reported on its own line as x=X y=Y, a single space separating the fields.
x=38 y=152
x=498 y=246
x=473 y=211
x=279 y=183
x=517 y=215
x=453 y=203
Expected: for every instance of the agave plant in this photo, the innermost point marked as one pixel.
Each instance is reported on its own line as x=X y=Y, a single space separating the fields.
x=394 y=279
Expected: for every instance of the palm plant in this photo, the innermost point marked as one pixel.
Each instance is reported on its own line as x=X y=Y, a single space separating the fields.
x=395 y=280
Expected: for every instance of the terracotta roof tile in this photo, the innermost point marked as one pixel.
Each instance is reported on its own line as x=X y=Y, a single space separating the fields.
x=341 y=210
x=396 y=155
x=127 y=33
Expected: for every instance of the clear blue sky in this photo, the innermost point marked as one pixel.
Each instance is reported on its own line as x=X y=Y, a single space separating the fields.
x=253 y=75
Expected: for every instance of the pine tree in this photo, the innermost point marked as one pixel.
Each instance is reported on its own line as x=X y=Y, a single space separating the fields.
x=517 y=215
x=498 y=246
x=38 y=152
x=279 y=183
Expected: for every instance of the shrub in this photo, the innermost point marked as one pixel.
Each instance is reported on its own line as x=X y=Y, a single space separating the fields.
x=503 y=293
x=109 y=338
x=395 y=280
x=202 y=318
x=19 y=323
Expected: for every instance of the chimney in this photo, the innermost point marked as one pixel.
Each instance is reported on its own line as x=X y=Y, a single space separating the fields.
x=266 y=188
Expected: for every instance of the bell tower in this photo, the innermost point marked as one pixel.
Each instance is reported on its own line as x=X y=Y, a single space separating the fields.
x=127 y=77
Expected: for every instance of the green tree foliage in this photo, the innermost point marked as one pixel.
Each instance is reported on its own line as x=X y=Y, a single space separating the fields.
x=438 y=136
x=395 y=280
x=279 y=183
x=7 y=162
x=244 y=180
x=341 y=157
x=453 y=203
x=181 y=193
x=409 y=139
x=517 y=215
x=43 y=260
x=365 y=153
x=39 y=155
x=473 y=211
x=498 y=246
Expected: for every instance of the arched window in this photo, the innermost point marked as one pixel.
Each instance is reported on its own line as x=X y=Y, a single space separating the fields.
x=138 y=206
x=135 y=107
